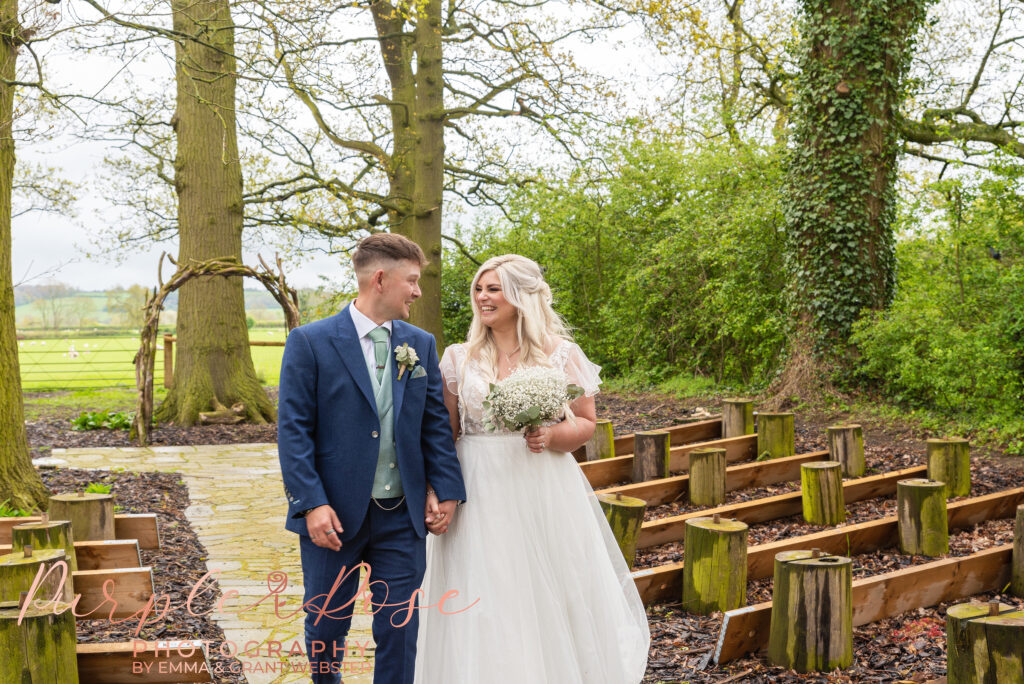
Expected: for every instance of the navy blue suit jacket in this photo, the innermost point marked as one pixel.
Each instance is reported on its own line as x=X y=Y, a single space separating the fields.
x=327 y=424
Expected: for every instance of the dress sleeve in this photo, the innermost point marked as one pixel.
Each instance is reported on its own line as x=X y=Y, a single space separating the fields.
x=581 y=371
x=451 y=366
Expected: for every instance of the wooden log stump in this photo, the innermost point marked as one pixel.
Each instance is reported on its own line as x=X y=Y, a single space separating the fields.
x=714 y=565
x=707 y=476
x=18 y=571
x=91 y=515
x=625 y=516
x=41 y=648
x=737 y=417
x=921 y=512
x=812 y=612
x=985 y=644
x=821 y=486
x=651 y=455
x=602 y=443
x=949 y=461
x=1017 y=569
x=48 y=534
x=775 y=436
x=846 y=445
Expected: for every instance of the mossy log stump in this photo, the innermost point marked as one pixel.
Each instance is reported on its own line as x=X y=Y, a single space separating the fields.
x=714 y=565
x=707 y=476
x=812 y=612
x=921 y=512
x=949 y=461
x=775 y=436
x=846 y=445
x=625 y=516
x=821 y=486
x=18 y=571
x=91 y=515
x=984 y=644
x=602 y=443
x=737 y=417
x=49 y=534
x=42 y=648
x=651 y=455
x=1017 y=571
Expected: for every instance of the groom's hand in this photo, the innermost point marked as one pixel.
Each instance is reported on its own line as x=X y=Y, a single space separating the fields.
x=323 y=527
x=443 y=518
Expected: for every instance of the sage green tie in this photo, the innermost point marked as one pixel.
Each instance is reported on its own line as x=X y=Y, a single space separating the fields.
x=380 y=349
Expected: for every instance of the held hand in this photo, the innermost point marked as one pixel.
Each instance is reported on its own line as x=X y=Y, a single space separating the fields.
x=446 y=511
x=432 y=510
x=323 y=527
x=538 y=439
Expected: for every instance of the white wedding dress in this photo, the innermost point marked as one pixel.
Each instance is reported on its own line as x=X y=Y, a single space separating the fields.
x=556 y=603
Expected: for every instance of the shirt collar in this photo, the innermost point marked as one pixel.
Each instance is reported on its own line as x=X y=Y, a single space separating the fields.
x=364 y=324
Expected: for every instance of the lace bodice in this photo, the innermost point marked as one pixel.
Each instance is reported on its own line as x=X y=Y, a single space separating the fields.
x=465 y=379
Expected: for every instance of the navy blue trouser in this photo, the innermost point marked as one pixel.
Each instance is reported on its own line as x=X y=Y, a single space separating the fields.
x=396 y=555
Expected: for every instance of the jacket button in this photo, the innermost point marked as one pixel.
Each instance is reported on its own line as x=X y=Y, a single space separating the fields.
x=387 y=488
x=392 y=465
x=375 y=434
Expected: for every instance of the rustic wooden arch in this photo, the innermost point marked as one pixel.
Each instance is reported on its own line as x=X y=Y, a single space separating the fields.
x=225 y=267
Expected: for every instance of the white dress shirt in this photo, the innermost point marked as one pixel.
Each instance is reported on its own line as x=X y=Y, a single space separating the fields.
x=363 y=327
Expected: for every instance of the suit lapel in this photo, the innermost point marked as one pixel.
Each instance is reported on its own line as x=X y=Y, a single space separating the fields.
x=346 y=343
x=397 y=386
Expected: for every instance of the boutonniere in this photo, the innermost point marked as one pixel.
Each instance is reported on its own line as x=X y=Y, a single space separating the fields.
x=406 y=357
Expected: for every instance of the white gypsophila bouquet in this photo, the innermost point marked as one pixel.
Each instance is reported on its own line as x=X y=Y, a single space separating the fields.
x=528 y=398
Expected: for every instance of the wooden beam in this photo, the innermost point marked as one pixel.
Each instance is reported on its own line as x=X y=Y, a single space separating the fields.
x=744 y=476
x=685 y=433
x=131 y=588
x=874 y=598
x=139 y=526
x=665 y=582
x=102 y=555
x=608 y=471
x=672 y=529
x=162 y=662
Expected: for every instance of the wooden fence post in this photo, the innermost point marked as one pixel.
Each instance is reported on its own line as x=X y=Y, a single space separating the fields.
x=707 y=476
x=651 y=455
x=846 y=445
x=737 y=417
x=821 y=487
x=625 y=515
x=168 y=361
x=714 y=565
x=602 y=443
x=921 y=512
x=984 y=643
x=91 y=515
x=775 y=436
x=949 y=461
x=39 y=647
x=1017 y=571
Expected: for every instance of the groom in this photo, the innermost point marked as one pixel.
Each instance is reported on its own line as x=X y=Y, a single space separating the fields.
x=359 y=447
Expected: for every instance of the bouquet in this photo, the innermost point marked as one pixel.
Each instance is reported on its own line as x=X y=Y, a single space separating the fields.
x=528 y=398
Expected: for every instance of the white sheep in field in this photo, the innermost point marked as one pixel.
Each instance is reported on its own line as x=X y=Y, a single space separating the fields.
x=72 y=352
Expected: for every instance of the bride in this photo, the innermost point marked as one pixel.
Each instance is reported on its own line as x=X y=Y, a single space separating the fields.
x=554 y=600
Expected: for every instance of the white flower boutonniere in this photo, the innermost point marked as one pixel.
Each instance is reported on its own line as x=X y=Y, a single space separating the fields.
x=406 y=357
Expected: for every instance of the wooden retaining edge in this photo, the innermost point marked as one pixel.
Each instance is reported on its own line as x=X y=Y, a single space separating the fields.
x=874 y=598
x=672 y=529
x=744 y=476
x=665 y=582
x=139 y=526
x=102 y=555
x=684 y=433
x=162 y=662
x=131 y=588
x=608 y=471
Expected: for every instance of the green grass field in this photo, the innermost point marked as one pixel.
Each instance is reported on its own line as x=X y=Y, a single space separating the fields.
x=82 y=362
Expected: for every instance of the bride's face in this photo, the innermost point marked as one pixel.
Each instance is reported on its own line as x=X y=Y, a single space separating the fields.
x=492 y=307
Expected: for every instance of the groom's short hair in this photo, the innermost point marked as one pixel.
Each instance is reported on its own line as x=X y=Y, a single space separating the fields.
x=384 y=247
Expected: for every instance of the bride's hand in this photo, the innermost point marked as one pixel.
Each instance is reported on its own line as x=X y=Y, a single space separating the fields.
x=432 y=510
x=538 y=439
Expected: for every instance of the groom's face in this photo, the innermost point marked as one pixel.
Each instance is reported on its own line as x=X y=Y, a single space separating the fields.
x=400 y=287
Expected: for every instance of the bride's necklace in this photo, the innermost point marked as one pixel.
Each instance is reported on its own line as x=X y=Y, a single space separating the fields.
x=508 y=358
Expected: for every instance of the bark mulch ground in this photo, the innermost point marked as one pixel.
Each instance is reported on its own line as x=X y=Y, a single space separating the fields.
x=909 y=647
x=177 y=566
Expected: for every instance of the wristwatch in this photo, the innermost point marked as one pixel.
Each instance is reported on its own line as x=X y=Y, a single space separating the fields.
x=303 y=514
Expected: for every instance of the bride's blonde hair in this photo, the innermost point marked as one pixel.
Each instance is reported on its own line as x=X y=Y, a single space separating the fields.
x=537 y=324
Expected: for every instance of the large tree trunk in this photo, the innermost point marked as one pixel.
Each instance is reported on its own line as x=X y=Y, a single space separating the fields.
x=416 y=175
x=213 y=365
x=20 y=485
x=840 y=194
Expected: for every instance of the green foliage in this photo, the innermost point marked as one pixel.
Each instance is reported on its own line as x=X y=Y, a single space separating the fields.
x=95 y=420
x=670 y=265
x=6 y=511
x=840 y=189
x=98 y=488
x=250 y=322
x=952 y=345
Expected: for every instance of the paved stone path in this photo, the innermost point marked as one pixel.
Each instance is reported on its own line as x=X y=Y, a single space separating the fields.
x=238 y=510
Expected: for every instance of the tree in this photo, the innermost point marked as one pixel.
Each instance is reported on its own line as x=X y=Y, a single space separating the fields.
x=57 y=309
x=213 y=364
x=128 y=304
x=20 y=485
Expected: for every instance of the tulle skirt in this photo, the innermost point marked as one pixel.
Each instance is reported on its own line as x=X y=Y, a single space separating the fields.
x=544 y=593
